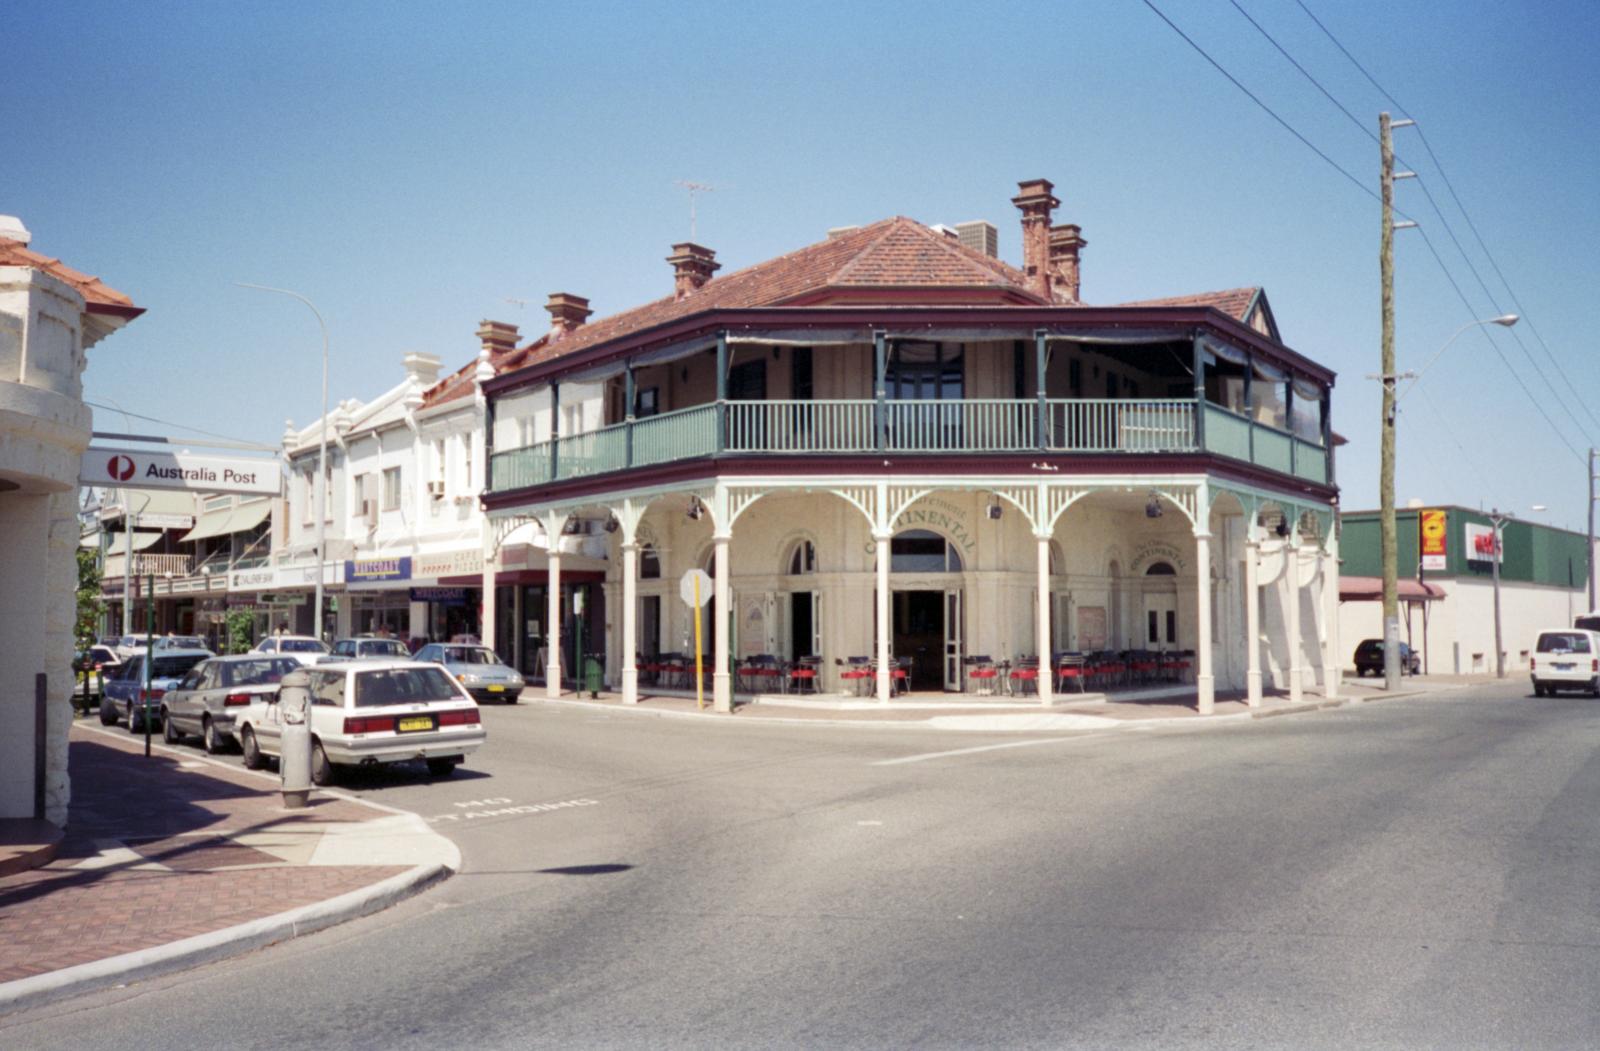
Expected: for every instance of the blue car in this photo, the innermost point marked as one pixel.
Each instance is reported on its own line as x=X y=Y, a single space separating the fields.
x=124 y=697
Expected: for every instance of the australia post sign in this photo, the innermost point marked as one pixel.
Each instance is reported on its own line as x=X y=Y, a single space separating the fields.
x=141 y=469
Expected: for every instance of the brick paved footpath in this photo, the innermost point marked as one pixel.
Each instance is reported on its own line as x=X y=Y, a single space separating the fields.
x=164 y=848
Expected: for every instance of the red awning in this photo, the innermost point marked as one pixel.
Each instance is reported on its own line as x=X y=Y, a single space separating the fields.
x=1370 y=589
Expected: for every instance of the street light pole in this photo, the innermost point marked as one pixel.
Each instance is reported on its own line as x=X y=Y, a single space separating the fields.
x=1499 y=521
x=322 y=454
x=1589 y=554
x=1387 y=541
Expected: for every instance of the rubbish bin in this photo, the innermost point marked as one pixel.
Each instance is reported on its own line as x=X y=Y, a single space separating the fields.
x=593 y=675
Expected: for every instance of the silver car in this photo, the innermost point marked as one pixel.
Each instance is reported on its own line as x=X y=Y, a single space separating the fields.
x=207 y=699
x=476 y=668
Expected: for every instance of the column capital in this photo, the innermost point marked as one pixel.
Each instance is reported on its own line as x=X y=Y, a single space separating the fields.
x=630 y=545
x=1202 y=534
x=1044 y=534
x=883 y=534
x=722 y=536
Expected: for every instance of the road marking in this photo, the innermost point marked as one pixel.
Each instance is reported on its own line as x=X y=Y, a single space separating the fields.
x=869 y=822
x=926 y=756
x=509 y=811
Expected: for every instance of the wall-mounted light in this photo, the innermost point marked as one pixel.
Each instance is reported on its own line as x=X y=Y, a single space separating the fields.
x=1153 y=508
x=1282 y=528
x=695 y=509
x=994 y=510
x=612 y=525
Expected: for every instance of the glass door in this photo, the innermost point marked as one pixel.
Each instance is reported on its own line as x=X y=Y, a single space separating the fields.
x=954 y=640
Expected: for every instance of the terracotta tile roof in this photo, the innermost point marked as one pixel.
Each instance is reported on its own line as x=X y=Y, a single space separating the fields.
x=1233 y=301
x=892 y=254
x=100 y=297
x=459 y=384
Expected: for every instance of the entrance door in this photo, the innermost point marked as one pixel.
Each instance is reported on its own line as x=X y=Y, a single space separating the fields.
x=1161 y=620
x=650 y=625
x=954 y=640
x=803 y=625
x=919 y=636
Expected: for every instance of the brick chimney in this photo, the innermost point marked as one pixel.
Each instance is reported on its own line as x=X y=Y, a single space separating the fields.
x=1065 y=243
x=567 y=312
x=1036 y=203
x=692 y=267
x=497 y=337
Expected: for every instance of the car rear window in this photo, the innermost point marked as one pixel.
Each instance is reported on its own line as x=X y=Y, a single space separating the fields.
x=1563 y=642
x=172 y=667
x=385 y=648
x=470 y=655
x=302 y=646
x=263 y=672
x=404 y=686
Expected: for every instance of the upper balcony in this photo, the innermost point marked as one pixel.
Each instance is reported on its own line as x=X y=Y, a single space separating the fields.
x=967 y=395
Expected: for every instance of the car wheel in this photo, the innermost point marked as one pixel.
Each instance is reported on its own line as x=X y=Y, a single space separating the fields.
x=253 y=759
x=1538 y=690
x=321 y=769
x=108 y=716
x=213 y=740
x=169 y=729
x=134 y=726
x=442 y=767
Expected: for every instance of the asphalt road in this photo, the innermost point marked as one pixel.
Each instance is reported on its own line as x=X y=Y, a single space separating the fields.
x=1413 y=873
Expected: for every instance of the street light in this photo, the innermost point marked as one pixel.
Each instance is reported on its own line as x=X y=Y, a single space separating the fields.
x=322 y=451
x=1386 y=524
x=1499 y=521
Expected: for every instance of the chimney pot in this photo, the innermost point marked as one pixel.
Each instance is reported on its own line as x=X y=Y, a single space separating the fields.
x=692 y=267
x=1037 y=204
x=567 y=312
x=1066 y=242
x=497 y=337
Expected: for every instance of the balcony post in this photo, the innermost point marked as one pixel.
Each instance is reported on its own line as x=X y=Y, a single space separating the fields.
x=630 y=633
x=555 y=428
x=1204 y=680
x=552 y=631
x=629 y=393
x=1250 y=404
x=1327 y=436
x=1252 y=612
x=722 y=391
x=1199 y=391
x=880 y=389
x=1040 y=356
x=1291 y=559
x=1288 y=422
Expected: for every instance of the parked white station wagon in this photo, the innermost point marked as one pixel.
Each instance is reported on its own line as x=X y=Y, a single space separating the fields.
x=370 y=712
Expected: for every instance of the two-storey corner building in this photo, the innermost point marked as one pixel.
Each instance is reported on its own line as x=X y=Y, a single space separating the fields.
x=895 y=453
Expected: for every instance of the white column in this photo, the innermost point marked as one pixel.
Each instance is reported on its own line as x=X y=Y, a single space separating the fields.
x=487 y=618
x=630 y=641
x=1291 y=566
x=1332 y=665
x=721 y=681
x=552 y=631
x=1205 y=681
x=881 y=544
x=1046 y=665
x=1252 y=616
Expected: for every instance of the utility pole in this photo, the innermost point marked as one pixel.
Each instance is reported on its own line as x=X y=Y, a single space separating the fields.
x=1499 y=521
x=1386 y=524
x=1589 y=554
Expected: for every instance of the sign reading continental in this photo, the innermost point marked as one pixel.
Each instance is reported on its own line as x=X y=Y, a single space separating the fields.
x=179 y=470
x=1433 y=541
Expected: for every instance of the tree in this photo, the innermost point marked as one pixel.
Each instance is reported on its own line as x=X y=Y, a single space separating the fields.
x=240 y=631
x=90 y=605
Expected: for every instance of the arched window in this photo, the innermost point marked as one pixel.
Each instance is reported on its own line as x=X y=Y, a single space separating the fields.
x=803 y=559
x=1161 y=569
x=923 y=551
x=649 y=564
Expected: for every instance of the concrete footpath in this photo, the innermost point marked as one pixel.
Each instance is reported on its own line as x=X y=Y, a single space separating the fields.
x=1126 y=709
x=171 y=861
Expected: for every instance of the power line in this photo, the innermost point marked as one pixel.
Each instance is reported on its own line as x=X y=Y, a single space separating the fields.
x=1460 y=206
x=168 y=423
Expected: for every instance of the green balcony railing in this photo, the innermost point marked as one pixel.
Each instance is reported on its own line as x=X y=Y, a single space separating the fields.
x=799 y=427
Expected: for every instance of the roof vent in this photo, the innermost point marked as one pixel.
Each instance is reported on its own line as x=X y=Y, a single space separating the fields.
x=840 y=231
x=12 y=229
x=948 y=231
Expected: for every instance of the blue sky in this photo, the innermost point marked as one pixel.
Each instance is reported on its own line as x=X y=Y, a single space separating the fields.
x=414 y=168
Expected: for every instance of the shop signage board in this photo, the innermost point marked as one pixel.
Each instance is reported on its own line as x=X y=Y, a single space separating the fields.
x=186 y=471
x=376 y=570
x=447 y=564
x=438 y=594
x=1480 y=543
x=1433 y=541
x=250 y=579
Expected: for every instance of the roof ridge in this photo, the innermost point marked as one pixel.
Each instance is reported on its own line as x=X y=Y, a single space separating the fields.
x=890 y=225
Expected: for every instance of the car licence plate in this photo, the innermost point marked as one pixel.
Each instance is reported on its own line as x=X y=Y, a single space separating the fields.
x=1564 y=667
x=497 y=689
x=413 y=723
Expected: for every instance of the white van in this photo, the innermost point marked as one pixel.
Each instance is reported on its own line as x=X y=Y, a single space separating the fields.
x=1566 y=659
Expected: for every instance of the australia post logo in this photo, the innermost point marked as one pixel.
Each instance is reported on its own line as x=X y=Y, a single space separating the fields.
x=120 y=468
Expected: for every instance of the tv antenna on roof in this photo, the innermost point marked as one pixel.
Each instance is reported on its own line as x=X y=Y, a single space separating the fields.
x=694 y=188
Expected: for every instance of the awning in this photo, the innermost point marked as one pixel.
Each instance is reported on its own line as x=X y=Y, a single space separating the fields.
x=238 y=518
x=118 y=542
x=1370 y=589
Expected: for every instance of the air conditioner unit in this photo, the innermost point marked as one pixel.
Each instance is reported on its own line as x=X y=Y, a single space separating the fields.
x=436 y=489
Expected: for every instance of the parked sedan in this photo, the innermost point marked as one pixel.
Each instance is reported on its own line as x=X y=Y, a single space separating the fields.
x=126 y=695
x=90 y=669
x=367 y=647
x=478 y=669
x=1369 y=659
x=364 y=713
x=207 y=698
x=302 y=648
